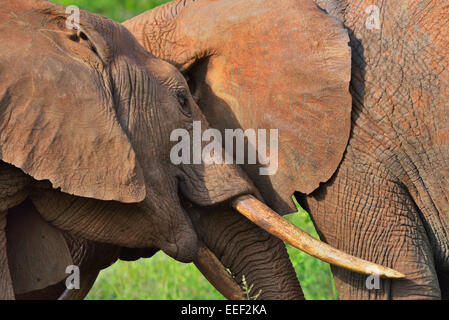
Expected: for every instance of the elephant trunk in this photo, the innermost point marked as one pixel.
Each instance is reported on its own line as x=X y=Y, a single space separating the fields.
x=257 y=261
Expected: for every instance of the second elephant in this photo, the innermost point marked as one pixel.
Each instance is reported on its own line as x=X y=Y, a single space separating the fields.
x=372 y=170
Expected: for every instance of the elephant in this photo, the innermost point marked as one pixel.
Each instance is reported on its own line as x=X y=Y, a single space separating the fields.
x=86 y=116
x=358 y=91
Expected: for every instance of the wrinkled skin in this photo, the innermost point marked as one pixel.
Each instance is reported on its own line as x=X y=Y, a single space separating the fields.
x=93 y=118
x=228 y=61
x=385 y=187
x=389 y=200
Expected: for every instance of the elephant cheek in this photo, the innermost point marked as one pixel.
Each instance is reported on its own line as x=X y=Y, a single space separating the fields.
x=149 y=224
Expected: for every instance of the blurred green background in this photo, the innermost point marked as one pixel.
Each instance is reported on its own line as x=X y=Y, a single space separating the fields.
x=118 y=10
x=163 y=278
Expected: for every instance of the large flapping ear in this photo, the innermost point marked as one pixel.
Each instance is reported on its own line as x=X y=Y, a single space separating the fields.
x=57 y=117
x=265 y=65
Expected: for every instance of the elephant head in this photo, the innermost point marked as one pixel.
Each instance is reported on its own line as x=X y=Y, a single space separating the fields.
x=372 y=170
x=90 y=111
x=86 y=116
x=252 y=67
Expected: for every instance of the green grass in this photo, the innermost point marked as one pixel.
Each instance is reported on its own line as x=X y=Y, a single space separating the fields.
x=118 y=10
x=157 y=278
x=162 y=277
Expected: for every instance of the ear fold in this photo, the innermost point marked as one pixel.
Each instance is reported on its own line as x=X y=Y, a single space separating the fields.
x=266 y=65
x=57 y=120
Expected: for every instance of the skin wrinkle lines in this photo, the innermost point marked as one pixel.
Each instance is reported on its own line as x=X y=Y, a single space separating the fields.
x=363 y=171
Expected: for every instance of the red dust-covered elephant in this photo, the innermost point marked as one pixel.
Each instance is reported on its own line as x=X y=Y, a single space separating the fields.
x=374 y=171
x=85 y=122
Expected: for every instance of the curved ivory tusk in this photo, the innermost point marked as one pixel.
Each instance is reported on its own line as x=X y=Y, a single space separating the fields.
x=214 y=271
x=273 y=223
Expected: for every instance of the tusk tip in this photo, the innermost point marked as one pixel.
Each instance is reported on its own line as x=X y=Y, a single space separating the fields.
x=386 y=272
x=395 y=275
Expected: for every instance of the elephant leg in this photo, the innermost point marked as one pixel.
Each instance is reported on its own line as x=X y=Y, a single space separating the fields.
x=6 y=288
x=37 y=252
x=90 y=257
x=363 y=212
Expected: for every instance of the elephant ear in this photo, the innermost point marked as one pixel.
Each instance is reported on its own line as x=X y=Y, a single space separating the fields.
x=282 y=65
x=57 y=117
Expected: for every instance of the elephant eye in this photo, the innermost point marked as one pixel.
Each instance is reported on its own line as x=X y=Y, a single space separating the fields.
x=184 y=104
x=182 y=101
